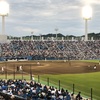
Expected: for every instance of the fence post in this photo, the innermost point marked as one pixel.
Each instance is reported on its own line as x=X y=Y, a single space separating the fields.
x=48 y=81
x=38 y=79
x=91 y=94
x=59 y=84
x=14 y=72
x=73 y=88
x=22 y=72
x=30 y=72
x=6 y=70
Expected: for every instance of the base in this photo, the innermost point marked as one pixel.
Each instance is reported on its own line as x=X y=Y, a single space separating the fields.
x=3 y=38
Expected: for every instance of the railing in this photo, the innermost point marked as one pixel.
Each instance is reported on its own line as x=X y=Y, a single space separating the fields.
x=48 y=82
x=10 y=97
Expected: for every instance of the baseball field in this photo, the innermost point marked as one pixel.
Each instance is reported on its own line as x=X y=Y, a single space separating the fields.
x=78 y=75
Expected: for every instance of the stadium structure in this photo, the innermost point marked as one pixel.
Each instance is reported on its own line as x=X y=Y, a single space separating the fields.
x=50 y=49
x=21 y=57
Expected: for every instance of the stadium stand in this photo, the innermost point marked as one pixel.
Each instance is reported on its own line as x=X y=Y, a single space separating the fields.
x=50 y=50
x=23 y=90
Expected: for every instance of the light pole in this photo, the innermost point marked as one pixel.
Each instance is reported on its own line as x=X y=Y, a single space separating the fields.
x=32 y=36
x=87 y=14
x=56 y=29
x=4 y=11
x=40 y=37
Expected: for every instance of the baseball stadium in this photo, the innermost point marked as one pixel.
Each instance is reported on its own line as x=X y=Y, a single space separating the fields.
x=70 y=65
x=51 y=66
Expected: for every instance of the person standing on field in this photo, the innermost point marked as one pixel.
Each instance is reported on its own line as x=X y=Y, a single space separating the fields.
x=2 y=69
x=20 y=68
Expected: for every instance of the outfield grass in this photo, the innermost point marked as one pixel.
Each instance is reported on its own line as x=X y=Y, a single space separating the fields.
x=82 y=82
x=11 y=76
x=96 y=61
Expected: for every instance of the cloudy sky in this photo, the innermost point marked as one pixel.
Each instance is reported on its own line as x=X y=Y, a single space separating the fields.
x=44 y=16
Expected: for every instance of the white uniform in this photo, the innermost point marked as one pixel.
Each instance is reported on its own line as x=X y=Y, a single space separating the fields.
x=20 y=68
x=99 y=62
x=95 y=67
x=2 y=69
x=33 y=78
x=38 y=63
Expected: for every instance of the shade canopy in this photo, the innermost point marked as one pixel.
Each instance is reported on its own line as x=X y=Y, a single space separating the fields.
x=87 y=12
x=4 y=8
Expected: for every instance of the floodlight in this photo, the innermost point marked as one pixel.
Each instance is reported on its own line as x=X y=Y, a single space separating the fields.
x=87 y=12
x=56 y=29
x=87 y=15
x=4 y=8
x=4 y=11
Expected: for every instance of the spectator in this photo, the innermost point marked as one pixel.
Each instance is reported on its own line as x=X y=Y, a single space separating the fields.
x=78 y=97
x=33 y=79
x=43 y=50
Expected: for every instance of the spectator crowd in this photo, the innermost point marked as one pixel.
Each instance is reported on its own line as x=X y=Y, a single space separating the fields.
x=23 y=90
x=50 y=50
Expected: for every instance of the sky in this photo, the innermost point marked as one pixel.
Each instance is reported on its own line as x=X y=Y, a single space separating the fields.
x=28 y=17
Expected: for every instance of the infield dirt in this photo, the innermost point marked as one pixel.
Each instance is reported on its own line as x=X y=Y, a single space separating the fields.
x=50 y=67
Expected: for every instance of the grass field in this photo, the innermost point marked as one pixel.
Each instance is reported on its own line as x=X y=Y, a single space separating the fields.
x=69 y=73
x=82 y=82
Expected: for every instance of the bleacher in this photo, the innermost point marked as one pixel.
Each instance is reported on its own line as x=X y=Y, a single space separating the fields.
x=50 y=50
x=23 y=90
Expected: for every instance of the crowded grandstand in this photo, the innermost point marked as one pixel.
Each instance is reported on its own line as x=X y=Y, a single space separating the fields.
x=50 y=50
x=23 y=90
